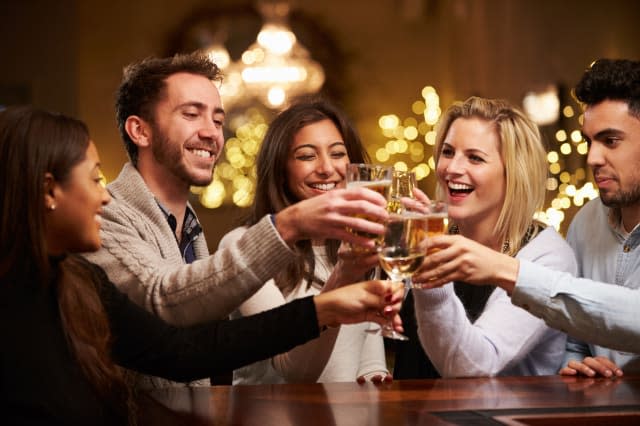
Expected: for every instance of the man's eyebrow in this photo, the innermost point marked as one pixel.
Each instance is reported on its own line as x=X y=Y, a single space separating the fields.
x=201 y=106
x=603 y=134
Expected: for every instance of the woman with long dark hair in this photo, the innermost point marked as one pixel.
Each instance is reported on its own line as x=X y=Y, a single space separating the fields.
x=67 y=331
x=304 y=154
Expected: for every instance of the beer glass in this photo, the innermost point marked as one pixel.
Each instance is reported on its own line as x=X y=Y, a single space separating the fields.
x=371 y=176
x=437 y=214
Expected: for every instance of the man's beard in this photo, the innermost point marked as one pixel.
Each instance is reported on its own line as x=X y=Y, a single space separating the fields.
x=621 y=199
x=170 y=156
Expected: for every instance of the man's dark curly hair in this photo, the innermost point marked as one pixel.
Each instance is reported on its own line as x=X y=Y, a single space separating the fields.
x=143 y=85
x=612 y=79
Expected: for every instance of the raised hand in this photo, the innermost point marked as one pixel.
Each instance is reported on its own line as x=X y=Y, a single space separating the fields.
x=374 y=301
x=330 y=215
x=462 y=259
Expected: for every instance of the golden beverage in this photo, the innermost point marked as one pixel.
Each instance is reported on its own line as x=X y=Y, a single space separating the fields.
x=400 y=265
x=437 y=224
x=402 y=185
x=382 y=188
x=403 y=246
x=394 y=206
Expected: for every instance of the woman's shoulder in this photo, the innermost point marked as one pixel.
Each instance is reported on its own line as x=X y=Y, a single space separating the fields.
x=548 y=239
x=549 y=234
x=550 y=249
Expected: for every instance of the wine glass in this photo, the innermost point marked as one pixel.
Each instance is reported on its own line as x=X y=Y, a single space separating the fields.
x=401 y=251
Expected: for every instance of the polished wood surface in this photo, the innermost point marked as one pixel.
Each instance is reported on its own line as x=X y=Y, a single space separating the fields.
x=545 y=400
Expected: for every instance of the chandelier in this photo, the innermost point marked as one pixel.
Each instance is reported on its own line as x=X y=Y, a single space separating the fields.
x=274 y=69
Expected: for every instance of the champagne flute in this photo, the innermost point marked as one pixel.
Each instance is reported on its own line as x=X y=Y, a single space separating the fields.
x=401 y=252
x=402 y=185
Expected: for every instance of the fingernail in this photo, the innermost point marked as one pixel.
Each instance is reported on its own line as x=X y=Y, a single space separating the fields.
x=608 y=373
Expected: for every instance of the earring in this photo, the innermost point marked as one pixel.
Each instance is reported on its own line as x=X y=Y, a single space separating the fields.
x=51 y=207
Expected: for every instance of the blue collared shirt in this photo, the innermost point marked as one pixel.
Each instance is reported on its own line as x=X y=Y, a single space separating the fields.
x=592 y=310
x=191 y=229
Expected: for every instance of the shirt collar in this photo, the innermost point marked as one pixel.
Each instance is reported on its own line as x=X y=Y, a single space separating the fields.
x=615 y=221
x=190 y=227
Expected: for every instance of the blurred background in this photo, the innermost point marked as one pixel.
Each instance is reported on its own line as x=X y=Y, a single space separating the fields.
x=393 y=65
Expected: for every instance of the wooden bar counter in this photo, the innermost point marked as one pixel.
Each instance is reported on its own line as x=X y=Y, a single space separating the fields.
x=549 y=400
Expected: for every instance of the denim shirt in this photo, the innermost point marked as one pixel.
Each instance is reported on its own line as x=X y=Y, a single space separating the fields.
x=593 y=311
x=603 y=254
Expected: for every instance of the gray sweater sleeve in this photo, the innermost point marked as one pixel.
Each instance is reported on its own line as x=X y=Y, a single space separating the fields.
x=140 y=255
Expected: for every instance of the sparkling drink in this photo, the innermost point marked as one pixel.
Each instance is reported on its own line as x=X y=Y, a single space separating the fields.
x=382 y=188
x=437 y=224
x=400 y=263
x=402 y=185
x=375 y=178
x=438 y=221
x=403 y=245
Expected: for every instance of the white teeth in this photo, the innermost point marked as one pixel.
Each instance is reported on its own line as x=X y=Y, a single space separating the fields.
x=323 y=186
x=201 y=153
x=459 y=186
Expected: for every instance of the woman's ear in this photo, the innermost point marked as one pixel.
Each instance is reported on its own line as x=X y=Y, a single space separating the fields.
x=50 y=186
x=138 y=130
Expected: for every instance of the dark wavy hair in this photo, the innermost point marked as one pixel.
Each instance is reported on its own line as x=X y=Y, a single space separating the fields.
x=34 y=142
x=612 y=79
x=144 y=84
x=272 y=191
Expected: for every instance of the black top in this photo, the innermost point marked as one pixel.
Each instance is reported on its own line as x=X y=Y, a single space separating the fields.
x=411 y=361
x=40 y=383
